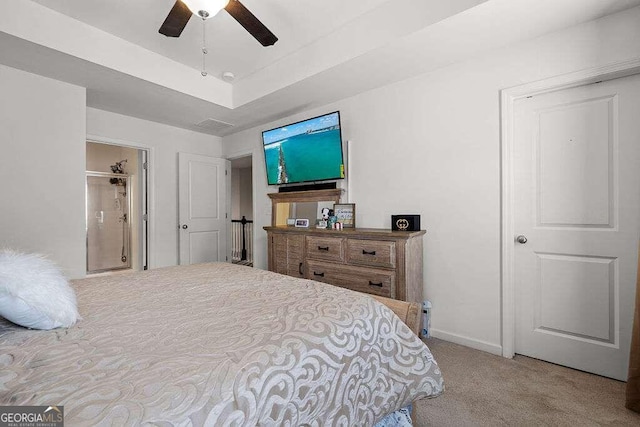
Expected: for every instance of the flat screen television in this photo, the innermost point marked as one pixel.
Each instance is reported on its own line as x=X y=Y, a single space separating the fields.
x=310 y=150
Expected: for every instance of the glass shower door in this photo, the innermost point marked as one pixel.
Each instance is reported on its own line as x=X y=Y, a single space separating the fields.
x=108 y=217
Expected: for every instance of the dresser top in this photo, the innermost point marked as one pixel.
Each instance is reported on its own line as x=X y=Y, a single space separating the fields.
x=372 y=233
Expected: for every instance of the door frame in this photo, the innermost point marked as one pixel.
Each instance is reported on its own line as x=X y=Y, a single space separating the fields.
x=259 y=242
x=150 y=190
x=508 y=97
x=253 y=153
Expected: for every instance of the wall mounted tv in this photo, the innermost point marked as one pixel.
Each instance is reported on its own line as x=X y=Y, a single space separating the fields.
x=310 y=150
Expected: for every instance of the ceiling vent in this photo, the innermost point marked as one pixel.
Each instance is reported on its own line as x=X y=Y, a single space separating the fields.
x=213 y=125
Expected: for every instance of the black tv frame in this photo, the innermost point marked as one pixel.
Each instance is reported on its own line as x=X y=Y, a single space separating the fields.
x=283 y=188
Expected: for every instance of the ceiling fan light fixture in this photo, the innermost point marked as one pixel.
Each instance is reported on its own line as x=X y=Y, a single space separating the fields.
x=205 y=8
x=183 y=10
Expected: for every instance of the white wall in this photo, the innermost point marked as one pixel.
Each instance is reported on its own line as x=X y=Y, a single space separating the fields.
x=241 y=193
x=235 y=193
x=44 y=125
x=164 y=142
x=246 y=193
x=431 y=145
x=42 y=147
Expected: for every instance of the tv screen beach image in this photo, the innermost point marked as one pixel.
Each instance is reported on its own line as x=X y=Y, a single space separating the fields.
x=310 y=150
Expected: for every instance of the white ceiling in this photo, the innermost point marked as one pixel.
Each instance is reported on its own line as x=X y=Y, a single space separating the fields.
x=295 y=22
x=327 y=50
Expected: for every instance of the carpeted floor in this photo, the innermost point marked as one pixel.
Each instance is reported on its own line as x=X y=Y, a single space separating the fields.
x=486 y=390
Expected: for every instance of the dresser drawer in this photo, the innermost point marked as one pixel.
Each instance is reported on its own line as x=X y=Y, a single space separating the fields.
x=325 y=248
x=375 y=253
x=288 y=251
x=369 y=280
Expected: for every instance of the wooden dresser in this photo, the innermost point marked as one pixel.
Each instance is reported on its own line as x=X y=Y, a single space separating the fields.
x=377 y=261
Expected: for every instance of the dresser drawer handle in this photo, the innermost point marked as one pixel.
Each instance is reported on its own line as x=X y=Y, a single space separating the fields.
x=300 y=269
x=321 y=274
x=379 y=284
x=368 y=253
x=323 y=248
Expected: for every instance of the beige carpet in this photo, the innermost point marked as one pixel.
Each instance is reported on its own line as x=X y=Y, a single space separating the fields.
x=486 y=390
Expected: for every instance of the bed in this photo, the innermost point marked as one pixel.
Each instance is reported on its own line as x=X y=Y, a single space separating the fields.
x=219 y=344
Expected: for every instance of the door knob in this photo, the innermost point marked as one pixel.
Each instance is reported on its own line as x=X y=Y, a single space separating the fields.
x=185 y=226
x=521 y=239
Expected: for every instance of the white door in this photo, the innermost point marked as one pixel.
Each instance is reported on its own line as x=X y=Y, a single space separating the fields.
x=577 y=204
x=203 y=208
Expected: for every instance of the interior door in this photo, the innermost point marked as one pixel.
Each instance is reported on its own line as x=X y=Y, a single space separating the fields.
x=577 y=210
x=203 y=208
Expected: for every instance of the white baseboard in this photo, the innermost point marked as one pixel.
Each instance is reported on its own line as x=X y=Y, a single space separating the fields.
x=467 y=342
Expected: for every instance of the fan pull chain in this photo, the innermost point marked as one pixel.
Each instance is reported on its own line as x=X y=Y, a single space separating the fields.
x=204 y=49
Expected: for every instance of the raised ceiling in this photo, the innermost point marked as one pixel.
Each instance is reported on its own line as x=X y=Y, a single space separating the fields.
x=327 y=50
x=297 y=23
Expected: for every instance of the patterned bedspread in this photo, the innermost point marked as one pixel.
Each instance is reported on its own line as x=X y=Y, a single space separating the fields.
x=218 y=344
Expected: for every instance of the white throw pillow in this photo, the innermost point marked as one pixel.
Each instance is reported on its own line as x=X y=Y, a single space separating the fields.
x=34 y=293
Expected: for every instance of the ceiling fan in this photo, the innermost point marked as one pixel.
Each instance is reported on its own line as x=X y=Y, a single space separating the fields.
x=183 y=9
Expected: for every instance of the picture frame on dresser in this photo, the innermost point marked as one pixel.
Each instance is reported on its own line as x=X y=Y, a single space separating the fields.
x=345 y=214
x=302 y=222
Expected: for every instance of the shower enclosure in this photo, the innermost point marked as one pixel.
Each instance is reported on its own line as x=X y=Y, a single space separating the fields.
x=108 y=221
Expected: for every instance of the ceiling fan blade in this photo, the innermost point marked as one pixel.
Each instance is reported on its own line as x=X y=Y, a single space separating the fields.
x=176 y=20
x=250 y=23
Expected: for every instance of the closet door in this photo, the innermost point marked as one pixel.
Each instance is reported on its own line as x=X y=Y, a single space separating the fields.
x=203 y=218
x=577 y=219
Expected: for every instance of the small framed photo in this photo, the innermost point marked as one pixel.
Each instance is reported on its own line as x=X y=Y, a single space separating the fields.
x=302 y=222
x=345 y=214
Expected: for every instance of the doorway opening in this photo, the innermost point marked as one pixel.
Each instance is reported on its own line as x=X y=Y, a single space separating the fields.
x=116 y=208
x=242 y=210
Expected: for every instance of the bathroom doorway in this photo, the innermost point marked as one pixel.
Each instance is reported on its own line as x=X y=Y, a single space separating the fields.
x=116 y=207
